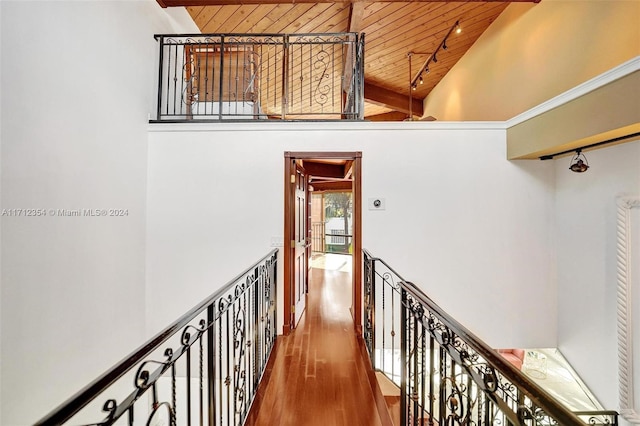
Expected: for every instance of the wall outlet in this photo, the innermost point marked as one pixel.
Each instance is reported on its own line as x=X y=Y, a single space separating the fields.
x=277 y=241
x=377 y=203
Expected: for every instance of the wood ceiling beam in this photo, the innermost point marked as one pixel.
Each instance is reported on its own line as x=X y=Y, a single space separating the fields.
x=388 y=116
x=348 y=169
x=323 y=170
x=339 y=185
x=179 y=3
x=392 y=100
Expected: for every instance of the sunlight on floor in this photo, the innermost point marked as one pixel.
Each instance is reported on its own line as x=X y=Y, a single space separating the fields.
x=332 y=262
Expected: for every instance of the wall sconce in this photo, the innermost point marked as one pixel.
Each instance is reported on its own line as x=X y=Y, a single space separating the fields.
x=579 y=163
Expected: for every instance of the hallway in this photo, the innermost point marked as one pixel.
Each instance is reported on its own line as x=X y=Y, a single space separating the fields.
x=318 y=376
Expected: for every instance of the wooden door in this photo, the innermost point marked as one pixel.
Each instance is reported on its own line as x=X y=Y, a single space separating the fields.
x=301 y=241
x=293 y=289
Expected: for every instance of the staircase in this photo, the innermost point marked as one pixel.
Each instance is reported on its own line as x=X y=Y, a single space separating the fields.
x=443 y=372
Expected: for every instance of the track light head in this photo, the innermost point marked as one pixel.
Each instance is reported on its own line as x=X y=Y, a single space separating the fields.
x=444 y=45
x=435 y=59
x=421 y=80
x=579 y=163
x=458 y=29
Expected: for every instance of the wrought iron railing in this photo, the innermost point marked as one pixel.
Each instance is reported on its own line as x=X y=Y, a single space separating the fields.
x=333 y=241
x=202 y=369
x=211 y=77
x=446 y=374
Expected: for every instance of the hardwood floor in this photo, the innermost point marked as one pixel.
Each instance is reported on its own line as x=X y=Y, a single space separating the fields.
x=317 y=376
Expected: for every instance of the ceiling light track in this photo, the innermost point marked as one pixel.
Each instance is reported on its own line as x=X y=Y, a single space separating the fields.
x=424 y=69
x=593 y=145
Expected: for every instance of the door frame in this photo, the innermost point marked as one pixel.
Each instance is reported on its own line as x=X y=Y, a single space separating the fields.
x=356 y=276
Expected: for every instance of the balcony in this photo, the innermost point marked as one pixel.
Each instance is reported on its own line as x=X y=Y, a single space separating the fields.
x=215 y=77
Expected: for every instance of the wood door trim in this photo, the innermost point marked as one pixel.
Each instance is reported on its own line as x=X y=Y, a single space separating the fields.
x=356 y=280
x=288 y=202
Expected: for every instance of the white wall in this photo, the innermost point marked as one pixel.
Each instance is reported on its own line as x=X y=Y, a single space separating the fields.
x=586 y=246
x=469 y=227
x=76 y=94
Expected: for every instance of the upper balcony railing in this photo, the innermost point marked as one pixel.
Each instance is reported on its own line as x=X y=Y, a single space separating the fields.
x=213 y=77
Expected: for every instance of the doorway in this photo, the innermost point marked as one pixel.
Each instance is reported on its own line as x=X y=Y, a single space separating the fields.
x=322 y=171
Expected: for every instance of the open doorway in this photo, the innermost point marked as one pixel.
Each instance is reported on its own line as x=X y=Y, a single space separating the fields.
x=306 y=174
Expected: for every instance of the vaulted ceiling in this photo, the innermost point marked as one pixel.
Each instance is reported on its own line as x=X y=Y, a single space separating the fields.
x=392 y=30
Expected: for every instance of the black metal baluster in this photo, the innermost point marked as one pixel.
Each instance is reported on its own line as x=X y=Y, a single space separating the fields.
x=221 y=77
x=211 y=371
x=182 y=75
x=443 y=387
x=221 y=378
x=469 y=398
x=403 y=357
x=195 y=79
x=175 y=81
x=188 y=366
x=214 y=76
x=174 y=402
x=272 y=297
x=423 y=361
x=154 y=398
x=203 y=86
x=372 y=280
x=230 y=78
x=201 y=365
x=246 y=359
x=416 y=371
x=230 y=363
x=257 y=358
x=431 y=377
x=160 y=74
x=392 y=332
x=237 y=71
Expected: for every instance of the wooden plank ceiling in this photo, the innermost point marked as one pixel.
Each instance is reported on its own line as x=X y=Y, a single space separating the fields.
x=392 y=29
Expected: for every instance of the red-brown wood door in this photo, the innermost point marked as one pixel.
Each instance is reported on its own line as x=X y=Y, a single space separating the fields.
x=301 y=241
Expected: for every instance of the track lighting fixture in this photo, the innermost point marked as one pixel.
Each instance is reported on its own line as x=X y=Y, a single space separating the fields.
x=418 y=78
x=579 y=163
x=458 y=29
x=432 y=56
